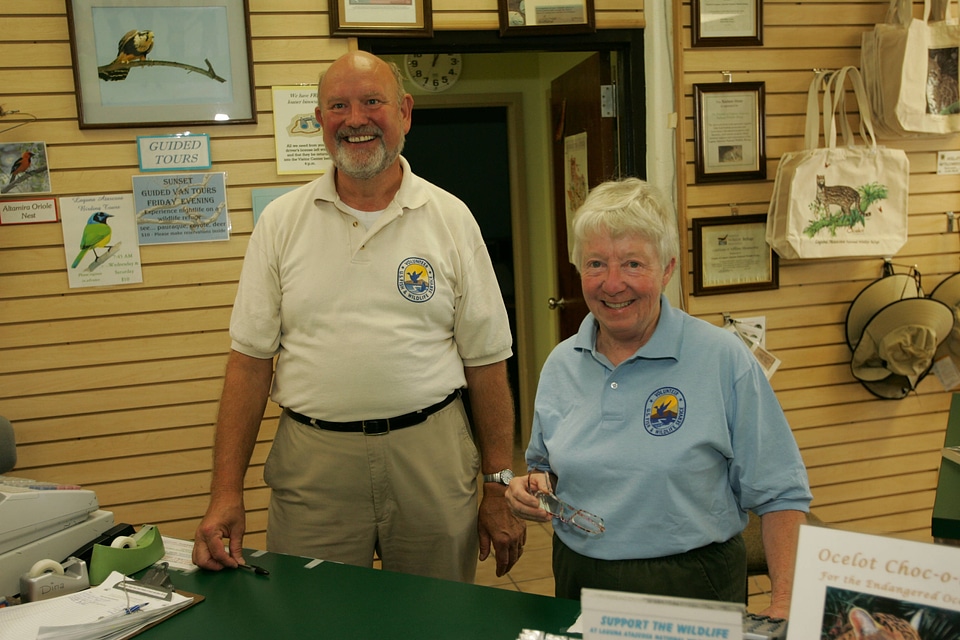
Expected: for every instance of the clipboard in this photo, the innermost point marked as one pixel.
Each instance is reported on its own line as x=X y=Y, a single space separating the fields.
x=197 y=599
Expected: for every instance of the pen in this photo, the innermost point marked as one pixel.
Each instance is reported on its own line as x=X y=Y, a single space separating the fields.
x=260 y=571
x=125 y=611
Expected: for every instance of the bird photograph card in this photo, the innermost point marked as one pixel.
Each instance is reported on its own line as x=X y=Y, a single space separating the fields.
x=183 y=207
x=849 y=586
x=23 y=168
x=100 y=240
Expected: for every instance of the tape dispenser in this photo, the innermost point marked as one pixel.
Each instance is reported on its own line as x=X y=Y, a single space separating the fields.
x=126 y=554
x=49 y=578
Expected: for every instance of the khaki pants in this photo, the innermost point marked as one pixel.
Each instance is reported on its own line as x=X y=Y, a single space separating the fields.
x=410 y=496
x=715 y=572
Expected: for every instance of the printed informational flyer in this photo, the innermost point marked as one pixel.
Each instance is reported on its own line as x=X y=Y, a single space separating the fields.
x=574 y=179
x=854 y=585
x=100 y=240
x=185 y=207
x=300 y=147
x=616 y=614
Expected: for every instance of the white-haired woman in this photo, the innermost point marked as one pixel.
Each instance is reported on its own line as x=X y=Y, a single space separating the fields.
x=661 y=424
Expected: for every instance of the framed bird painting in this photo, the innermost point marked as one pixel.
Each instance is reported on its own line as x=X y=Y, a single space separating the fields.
x=161 y=62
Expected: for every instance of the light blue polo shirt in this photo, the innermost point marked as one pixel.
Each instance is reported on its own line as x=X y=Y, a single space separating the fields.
x=671 y=447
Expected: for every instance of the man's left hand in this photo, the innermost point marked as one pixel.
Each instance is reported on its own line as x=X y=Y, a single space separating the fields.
x=497 y=525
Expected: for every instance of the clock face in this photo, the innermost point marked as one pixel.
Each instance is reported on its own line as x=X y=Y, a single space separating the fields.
x=434 y=71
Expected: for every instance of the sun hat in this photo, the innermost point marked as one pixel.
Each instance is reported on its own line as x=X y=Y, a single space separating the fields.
x=894 y=333
x=902 y=338
x=948 y=292
x=874 y=297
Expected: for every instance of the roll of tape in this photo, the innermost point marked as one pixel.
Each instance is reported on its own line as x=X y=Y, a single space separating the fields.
x=41 y=567
x=123 y=542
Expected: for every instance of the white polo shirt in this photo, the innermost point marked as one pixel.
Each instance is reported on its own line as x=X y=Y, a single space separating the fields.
x=368 y=323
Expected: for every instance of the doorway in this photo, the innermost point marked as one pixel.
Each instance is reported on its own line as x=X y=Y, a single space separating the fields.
x=466 y=151
x=536 y=258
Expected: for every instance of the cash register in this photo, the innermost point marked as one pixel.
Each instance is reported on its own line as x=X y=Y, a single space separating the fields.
x=40 y=520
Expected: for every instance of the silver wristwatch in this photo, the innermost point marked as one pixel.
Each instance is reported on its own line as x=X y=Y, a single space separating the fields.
x=500 y=477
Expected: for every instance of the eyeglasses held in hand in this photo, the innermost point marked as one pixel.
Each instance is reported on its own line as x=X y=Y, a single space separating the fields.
x=579 y=518
x=583 y=520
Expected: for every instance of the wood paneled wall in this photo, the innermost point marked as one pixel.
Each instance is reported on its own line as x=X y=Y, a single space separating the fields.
x=116 y=388
x=872 y=463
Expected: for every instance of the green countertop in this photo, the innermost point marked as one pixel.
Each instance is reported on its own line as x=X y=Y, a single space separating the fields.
x=332 y=600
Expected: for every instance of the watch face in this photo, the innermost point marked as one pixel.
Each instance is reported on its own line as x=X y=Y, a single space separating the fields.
x=506 y=476
x=434 y=71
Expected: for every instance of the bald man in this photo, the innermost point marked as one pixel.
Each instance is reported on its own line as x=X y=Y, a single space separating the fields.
x=373 y=291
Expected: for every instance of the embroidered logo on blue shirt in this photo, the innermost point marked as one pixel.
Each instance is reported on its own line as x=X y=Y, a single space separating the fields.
x=415 y=280
x=664 y=411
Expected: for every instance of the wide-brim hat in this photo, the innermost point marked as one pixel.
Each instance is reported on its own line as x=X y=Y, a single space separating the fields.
x=893 y=387
x=898 y=344
x=948 y=292
x=874 y=297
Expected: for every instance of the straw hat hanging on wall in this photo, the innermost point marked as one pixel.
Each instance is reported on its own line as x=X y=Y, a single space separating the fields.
x=894 y=332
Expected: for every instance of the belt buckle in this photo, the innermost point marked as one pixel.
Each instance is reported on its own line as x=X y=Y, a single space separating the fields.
x=377 y=427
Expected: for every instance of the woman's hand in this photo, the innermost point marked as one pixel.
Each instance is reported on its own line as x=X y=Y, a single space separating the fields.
x=522 y=496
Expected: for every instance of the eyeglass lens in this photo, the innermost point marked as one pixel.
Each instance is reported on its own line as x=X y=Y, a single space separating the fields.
x=565 y=513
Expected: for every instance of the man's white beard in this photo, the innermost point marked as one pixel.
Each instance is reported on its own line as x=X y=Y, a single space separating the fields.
x=366 y=166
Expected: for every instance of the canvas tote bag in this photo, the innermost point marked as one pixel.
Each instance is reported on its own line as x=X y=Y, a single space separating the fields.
x=838 y=201
x=910 y=70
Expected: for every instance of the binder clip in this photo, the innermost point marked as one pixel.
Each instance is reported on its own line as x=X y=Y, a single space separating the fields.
x=157 y=576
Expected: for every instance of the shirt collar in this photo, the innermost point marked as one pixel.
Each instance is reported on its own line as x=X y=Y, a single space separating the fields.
x=664 y=343
x=412 y=194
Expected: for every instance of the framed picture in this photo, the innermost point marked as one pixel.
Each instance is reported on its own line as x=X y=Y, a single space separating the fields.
x=728 y=134
x=546 y=17
x=140 y=63
x=391 y=18
x=727 y=23
x=731 y=254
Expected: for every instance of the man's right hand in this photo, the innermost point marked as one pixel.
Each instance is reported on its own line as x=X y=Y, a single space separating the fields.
x=223 y=521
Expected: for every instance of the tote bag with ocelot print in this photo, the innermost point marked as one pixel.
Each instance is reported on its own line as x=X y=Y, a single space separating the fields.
x=838 y=200
x=910 y=70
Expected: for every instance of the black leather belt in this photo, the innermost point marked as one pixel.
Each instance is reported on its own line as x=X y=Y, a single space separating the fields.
x=376 y=427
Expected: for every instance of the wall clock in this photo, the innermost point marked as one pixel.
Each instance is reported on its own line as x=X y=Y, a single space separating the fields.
x=433 y=71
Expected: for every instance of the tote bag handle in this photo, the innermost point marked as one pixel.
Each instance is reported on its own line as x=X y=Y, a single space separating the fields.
x=836 y=85
x=811 y=134
x=901 y=12
x=934 y=10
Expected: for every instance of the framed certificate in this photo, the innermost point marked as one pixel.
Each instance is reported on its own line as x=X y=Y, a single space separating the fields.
x=727 y=23
x=728 y=132
x=546 y=17
x=731 y=254
x=393 y=18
